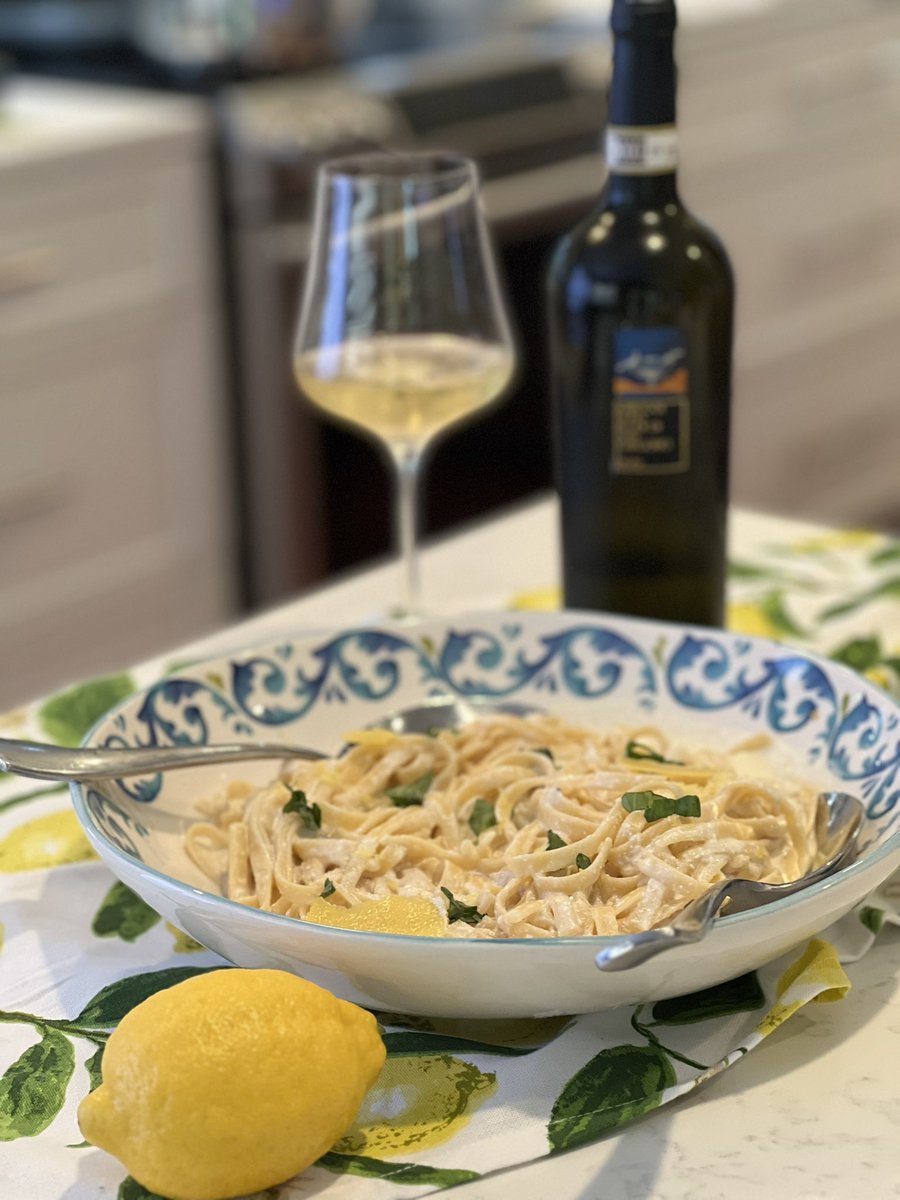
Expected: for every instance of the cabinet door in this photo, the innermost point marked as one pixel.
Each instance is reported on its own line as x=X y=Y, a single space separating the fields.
x=791 y=153
x=105 y=559
x=817 y=426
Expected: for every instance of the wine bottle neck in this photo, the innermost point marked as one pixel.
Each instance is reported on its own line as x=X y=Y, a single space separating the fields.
x=642 y=191
x=641 y=142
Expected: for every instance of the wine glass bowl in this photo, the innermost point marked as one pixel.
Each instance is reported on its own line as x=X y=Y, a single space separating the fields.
x=403 y=331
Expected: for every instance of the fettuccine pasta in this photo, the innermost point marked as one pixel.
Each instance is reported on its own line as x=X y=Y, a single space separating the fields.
x=510 y=826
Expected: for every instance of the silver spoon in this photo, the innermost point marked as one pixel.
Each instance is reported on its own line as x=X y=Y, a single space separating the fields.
x=838 y=820
x=39 y=760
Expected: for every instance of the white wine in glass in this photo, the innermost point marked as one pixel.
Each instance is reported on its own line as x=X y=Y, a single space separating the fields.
x=403 y=331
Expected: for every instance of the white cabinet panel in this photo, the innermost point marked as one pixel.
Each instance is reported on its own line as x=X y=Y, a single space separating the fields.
x=790 y=125
x=817 y=432
x=116 y=498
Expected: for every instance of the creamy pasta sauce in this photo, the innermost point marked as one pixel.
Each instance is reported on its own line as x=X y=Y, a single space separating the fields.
x=510 y=826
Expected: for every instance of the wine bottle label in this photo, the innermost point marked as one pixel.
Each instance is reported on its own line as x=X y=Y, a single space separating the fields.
x=650 y=432
x=641 y=150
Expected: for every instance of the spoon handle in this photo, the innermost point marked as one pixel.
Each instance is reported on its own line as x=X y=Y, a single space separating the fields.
x=690 y=925
x=38 y=760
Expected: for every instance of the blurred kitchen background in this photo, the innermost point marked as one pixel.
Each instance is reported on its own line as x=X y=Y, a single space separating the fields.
x=160 y=475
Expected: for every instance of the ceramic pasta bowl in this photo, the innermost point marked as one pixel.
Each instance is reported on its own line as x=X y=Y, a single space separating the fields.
x=707 y=687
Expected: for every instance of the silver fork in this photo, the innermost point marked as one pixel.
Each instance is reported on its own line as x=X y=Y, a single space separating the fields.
x=838 y=820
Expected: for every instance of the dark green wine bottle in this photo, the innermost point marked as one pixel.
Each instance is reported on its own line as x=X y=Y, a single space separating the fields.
x=641 y=312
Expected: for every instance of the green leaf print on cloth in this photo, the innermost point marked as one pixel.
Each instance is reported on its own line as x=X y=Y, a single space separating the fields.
x=123 y=914
x=859 y=653
x=774 y=608
x=888 y=589
x=617 y=1085
x=33 y=1089
x=409 y=1042
x=743 y=994
x=511 y=1038
x=887 y=554
x=130 y=1189
x=836 y=592
x=728 y=999
x=872 y=918
x=394 y=1172
x=868 y=656
x=68 y=716
x=93 y=1067
x=25 y=797
x=527 y=1033
x=112 y=1002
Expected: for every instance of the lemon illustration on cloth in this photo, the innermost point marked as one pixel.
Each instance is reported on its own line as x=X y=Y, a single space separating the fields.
x=230 y=1082
x=816 y=975
x=419 y=1101
x=751 y=619
x=45 y=842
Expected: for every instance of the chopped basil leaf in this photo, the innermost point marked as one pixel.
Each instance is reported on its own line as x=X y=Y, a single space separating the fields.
x=310 y=814
x=656 y=807
x=433 y=730
x=554 y=841
x=547 y=753
x=687 y=806
x=407 y=794
x=457 y=911
x=582 y=861
x=482 y=816
x=327 y=890
x=641 y=751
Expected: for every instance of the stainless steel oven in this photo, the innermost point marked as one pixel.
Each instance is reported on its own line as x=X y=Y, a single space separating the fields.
x=530 y=110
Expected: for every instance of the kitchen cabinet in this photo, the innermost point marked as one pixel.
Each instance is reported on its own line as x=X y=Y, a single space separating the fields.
x=790 y=120
x=116 y=523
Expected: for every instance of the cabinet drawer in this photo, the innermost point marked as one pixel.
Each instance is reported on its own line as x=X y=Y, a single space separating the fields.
x=98 y=243
x=102 y=621
x=816 y=430
x=87 y=445
x=792 y=157
x=834 y=233
x=759 y=101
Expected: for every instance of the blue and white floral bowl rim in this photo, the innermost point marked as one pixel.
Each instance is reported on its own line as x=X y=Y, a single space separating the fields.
x=605 y=669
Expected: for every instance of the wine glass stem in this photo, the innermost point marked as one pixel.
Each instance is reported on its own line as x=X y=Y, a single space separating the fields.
x=407 y=462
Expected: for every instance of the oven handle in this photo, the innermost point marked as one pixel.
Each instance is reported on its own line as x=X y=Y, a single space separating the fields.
x=506 y=200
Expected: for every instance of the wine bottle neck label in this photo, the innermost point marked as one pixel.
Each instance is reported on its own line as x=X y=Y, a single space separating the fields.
x=650 y=432
x=642 y=149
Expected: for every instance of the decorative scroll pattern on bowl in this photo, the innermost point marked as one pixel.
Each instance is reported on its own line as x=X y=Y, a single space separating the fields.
x=548 y=660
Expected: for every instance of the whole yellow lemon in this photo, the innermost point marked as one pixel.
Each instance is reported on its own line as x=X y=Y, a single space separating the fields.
x=231 y=1082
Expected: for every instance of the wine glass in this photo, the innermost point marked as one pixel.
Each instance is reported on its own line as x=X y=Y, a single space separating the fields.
x=403 y=331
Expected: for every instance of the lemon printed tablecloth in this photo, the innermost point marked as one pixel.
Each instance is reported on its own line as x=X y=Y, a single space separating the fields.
x=455 y=1099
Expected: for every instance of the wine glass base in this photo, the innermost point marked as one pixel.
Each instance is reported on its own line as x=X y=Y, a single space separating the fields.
x=399 y=614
